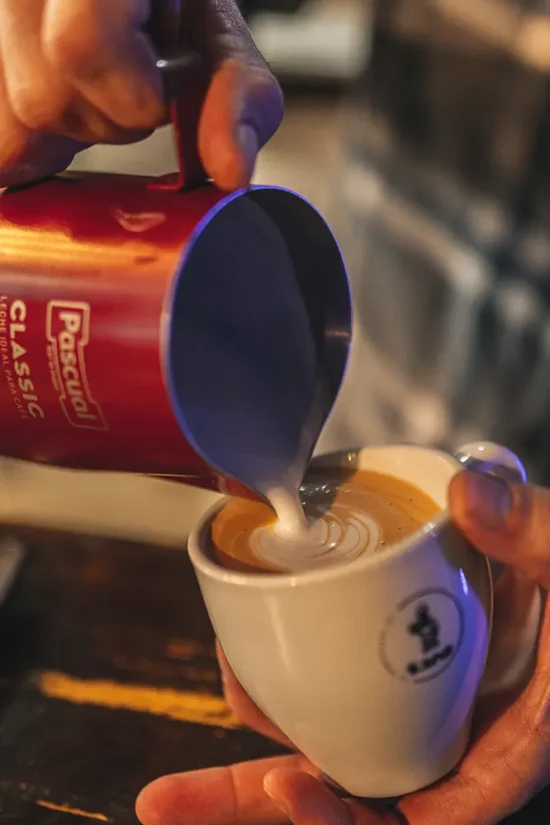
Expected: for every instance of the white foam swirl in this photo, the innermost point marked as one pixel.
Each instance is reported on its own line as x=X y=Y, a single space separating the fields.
x=332 y=537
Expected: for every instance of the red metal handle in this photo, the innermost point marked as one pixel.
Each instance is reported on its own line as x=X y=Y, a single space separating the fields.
x=186 y=80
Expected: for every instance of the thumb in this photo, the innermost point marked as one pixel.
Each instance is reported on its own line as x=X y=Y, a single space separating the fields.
x=305 y=800
x=508 y=522
x=244 y=105
x=242 y=111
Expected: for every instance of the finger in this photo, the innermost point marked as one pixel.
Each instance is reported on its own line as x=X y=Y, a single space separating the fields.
x=244 y=106
x=100 y=48
x=543 y=649
x=14 y=137
x=242 y=705
x=26 y=156
x=242 y=111
x=506 y=766
x=509 y=522
x=41 y=99
x=38 y=94
x=33 y=158
x=216 y=796
x=305 y=800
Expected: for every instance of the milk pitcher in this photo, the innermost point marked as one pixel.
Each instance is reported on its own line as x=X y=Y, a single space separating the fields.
x=161 y=326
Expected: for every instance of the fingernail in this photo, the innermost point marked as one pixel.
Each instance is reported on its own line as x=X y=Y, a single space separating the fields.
x=249 y=145
x=280 y=801
x=303 y=798
x=487 y=500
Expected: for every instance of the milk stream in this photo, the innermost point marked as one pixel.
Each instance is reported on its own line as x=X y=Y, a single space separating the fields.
x=297 y=543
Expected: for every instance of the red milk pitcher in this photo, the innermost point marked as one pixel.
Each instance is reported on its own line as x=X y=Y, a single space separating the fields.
x=161 y=326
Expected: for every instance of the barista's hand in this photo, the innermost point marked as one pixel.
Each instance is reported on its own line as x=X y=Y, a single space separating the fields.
x=508 y=763
x=78 y=72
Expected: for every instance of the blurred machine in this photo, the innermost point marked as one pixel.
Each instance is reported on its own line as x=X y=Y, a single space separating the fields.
x=250 y=7
x=312 y=41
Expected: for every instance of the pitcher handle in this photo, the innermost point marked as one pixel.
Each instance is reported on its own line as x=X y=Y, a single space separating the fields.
x=186 y=80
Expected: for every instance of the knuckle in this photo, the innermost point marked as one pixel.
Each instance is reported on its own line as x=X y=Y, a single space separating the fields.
x=476 y=787
x=530 y=529
x=143 y=117
x=39 y=109
x=75 y=49
x=25 y=158
x=12 y=151
x=15 y=173
x=534 y=710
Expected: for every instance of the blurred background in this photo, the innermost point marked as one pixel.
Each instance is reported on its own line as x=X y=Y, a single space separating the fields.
x=421 y=130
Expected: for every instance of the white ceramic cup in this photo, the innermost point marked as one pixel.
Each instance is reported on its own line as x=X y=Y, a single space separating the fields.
x=371 y=668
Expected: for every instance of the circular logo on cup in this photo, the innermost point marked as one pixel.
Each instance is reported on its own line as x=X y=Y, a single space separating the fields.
x=422 y=636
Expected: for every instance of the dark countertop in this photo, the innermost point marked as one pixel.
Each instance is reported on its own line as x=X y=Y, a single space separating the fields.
x=109 y=680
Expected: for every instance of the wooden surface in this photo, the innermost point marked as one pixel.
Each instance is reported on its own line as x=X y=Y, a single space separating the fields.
x=109 y=680
x=102 y=643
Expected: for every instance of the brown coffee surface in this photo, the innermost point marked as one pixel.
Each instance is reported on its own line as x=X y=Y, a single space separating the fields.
x=397 y=507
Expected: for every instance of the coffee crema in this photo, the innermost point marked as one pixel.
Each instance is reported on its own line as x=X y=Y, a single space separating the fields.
x=348 y=515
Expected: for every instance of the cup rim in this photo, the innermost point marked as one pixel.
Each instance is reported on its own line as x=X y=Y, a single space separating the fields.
x=269 y=581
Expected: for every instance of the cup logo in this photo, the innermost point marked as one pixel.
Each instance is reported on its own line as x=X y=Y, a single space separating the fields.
x=426 y=628
x=422 y=636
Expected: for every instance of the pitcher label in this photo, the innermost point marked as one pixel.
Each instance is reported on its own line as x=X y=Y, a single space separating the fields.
x=68 y=332
x=13 y=357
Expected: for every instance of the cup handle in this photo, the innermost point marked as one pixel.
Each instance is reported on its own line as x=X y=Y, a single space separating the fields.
x=512 y=659
x=492 y=459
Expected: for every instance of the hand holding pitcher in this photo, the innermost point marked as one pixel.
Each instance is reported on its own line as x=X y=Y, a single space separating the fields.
x=76 y=73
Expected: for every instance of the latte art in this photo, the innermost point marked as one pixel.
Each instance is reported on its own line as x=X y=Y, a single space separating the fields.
x=332 y=537
x=338 y=517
